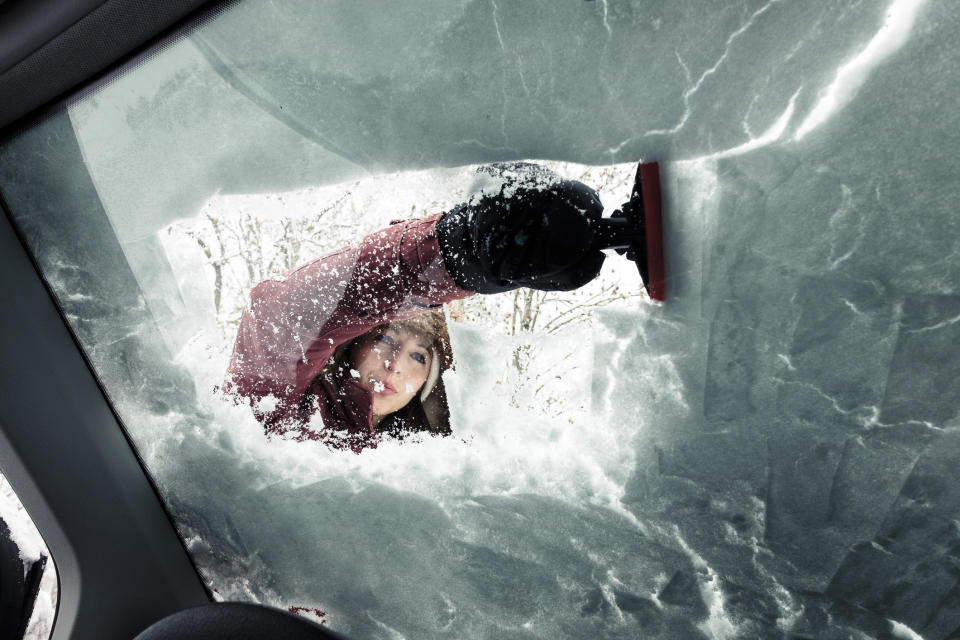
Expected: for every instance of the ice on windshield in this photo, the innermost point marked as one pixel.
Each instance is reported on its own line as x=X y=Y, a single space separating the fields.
x=769 y=452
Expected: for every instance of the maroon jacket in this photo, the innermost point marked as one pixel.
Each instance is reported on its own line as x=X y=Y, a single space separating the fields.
x=295 y=322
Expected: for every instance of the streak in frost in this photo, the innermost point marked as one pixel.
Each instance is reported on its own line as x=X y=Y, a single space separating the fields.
x=851 y=76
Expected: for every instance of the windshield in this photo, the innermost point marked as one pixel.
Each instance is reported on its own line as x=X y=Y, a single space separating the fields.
x=754 y=456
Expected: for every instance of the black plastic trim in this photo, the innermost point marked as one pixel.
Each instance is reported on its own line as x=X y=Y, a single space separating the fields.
x=120 y=561
x=27 y=25
x=96 y=42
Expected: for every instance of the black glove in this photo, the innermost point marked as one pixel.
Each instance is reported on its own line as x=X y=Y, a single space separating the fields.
x=528 y=228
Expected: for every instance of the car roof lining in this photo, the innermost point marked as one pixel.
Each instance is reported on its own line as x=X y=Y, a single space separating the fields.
x=50 y=47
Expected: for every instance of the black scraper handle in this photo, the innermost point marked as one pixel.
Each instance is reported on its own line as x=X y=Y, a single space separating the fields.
x=637 y=230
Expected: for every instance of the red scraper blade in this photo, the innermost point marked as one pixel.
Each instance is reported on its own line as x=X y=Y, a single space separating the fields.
x=648 y=177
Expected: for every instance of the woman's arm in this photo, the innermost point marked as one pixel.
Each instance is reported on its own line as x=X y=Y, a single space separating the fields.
x=296 y=321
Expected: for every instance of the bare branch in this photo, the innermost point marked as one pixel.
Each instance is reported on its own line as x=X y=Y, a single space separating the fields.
x=569 y=315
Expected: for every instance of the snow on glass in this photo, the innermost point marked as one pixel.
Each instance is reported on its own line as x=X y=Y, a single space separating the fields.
x=525 y=413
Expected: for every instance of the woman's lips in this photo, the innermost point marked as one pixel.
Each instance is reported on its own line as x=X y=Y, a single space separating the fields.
x=383 y=388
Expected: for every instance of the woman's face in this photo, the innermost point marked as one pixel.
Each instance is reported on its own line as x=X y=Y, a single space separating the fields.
x=394 y=365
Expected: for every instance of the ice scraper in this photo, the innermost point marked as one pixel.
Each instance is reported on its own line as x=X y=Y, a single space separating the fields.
x=636 y=229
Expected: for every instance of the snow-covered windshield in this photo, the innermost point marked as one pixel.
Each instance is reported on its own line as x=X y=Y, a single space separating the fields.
x=769 y=452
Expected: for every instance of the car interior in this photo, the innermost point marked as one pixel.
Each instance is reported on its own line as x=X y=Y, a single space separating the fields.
x=120 y=563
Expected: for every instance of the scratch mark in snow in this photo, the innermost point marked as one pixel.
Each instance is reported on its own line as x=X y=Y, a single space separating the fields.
x=688 y=94
x=839 y=220
x=866 y=416
x=683 y=65
x=614 y=150
x=851 y=76
x=686 y=70
x=503 y=86
x=496 y=26
x=939 y=325
x=392 y=633
x=718 y=625
x=902 y=631
x=769 y=136
x=786 y=360
x=606 y=23
x=852 y=306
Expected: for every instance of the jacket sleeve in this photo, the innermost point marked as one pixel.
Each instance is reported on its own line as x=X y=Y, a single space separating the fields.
x=295 y=322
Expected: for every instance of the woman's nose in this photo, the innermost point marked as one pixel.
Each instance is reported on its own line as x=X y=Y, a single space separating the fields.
x=391 y=364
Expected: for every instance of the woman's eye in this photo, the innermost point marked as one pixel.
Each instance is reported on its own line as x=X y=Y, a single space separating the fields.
x=419 y=357
x=384 y=338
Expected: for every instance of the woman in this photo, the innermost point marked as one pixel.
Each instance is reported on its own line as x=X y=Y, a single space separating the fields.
x=393 y=371
x=356 y=335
